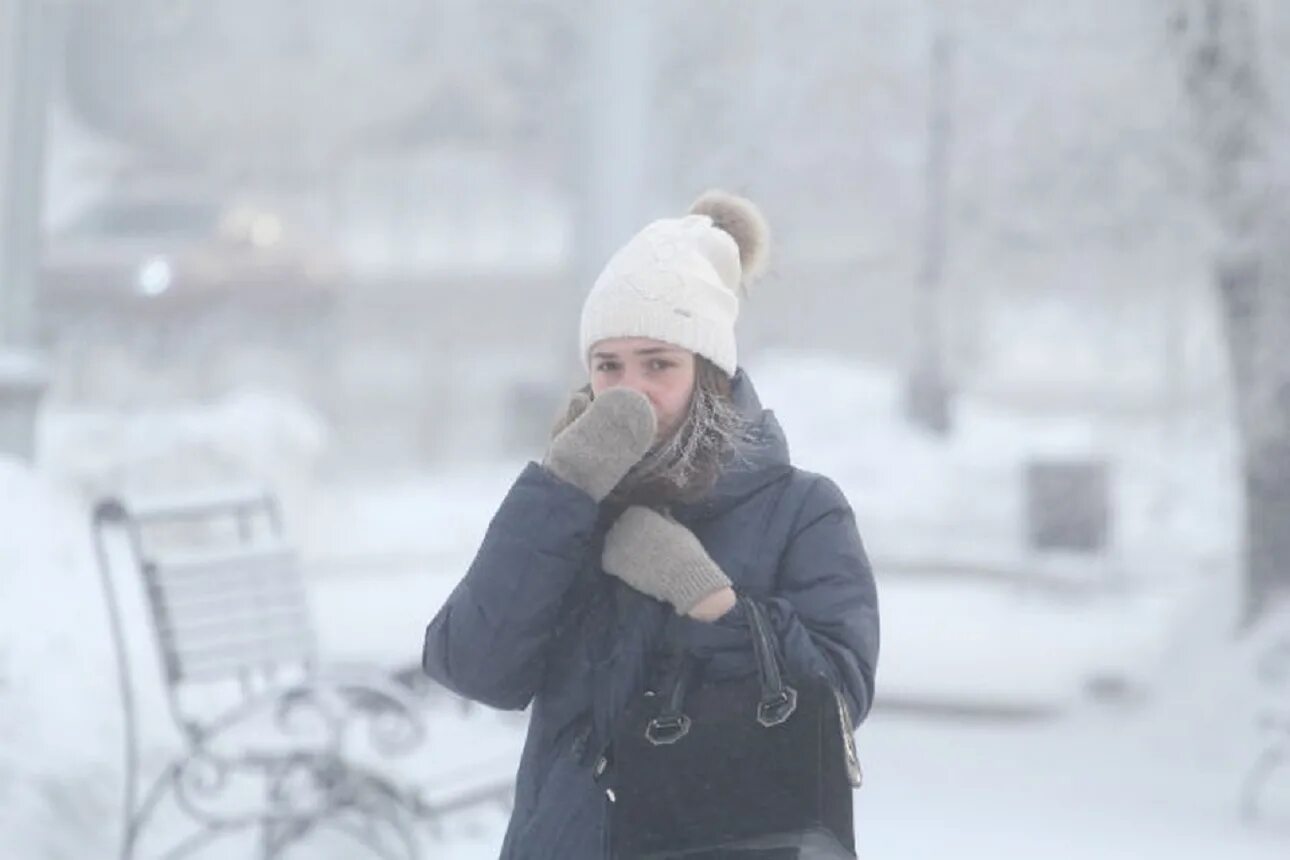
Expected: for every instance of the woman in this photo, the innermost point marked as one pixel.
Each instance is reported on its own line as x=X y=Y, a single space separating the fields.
x=665 y=490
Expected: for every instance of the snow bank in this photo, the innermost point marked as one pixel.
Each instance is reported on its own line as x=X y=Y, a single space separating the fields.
x=59 y=717
x=250 y=436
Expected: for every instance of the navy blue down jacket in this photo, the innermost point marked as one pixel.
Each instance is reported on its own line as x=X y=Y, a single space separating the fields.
x=537 y=622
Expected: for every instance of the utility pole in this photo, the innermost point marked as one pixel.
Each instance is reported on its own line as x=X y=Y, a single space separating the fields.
x=26 y=48
x=611 y=149
x=617 y=134
x=928 y=394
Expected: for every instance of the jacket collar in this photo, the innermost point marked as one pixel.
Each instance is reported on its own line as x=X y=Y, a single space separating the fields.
x=756 y=463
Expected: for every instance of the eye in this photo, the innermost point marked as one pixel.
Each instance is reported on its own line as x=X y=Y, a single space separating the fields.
x=607 y=367
x=658 y=365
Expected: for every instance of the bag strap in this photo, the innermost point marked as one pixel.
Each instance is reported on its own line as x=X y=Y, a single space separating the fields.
x=778 y=700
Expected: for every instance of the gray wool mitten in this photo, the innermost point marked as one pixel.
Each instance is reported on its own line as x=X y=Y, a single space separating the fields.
x=662 y=558
x=604 y=442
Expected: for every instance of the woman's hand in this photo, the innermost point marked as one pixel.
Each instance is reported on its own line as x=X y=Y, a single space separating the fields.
x=715 y=605
x=662 y=558
x=603 y=442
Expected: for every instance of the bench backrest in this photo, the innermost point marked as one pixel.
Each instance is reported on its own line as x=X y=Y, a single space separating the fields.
x=231 y=613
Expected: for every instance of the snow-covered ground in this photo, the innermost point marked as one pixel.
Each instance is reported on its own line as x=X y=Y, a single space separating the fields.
x=1087 y=785
x=985 y=743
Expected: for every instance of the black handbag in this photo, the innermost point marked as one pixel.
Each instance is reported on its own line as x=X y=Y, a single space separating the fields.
x=751 y=767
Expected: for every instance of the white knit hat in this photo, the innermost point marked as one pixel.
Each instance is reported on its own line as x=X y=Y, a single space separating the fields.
x=678 y=280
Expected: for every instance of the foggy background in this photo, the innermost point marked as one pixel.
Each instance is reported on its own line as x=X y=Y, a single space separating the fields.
x=1028 y=293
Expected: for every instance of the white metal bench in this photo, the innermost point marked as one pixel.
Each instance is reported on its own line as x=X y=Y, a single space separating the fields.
x=274 y=744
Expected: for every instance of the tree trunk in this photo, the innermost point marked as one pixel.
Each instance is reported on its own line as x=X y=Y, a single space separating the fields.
x=1226 y=87
x=1267 y=493
x=1253 y=301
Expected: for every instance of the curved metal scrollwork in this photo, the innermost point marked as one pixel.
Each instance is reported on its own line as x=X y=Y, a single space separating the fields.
x=295 y=791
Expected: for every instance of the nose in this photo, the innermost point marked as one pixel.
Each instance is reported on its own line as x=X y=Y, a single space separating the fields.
x=637 y=381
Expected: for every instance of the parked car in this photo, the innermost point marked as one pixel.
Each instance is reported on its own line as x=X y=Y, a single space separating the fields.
x=156 y=293
x=166 y=247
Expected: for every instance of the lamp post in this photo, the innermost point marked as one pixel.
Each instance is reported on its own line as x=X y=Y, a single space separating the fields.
x=26 y=28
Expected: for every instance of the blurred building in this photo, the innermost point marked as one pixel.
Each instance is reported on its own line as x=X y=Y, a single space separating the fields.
x=471 y=165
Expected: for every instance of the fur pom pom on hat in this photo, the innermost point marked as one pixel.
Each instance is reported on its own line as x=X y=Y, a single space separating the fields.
x=743 y=221
x=678 y=280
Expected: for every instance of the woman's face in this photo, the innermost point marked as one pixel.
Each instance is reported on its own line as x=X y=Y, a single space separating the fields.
x=662 y=372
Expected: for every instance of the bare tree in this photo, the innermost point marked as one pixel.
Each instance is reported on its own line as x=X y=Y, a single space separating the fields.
x=1218 y=45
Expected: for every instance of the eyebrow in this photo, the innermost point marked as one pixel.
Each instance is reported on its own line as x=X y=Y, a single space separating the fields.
x=649 y=350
